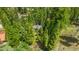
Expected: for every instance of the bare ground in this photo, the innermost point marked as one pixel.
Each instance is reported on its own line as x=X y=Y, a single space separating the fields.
x=69 y=40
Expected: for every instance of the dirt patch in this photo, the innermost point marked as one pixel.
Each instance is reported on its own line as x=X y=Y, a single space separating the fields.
x=69 y=39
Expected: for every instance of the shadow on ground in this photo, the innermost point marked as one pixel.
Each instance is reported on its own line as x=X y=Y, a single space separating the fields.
x=76 y=24
x=41 y=45
x=68 y=41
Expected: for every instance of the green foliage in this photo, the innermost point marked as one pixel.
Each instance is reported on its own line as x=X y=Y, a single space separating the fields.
x=75 y=15
x=19 y=22
x=17 y=30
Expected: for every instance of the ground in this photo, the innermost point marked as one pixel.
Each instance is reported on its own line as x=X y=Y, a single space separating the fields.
x=69 y=40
